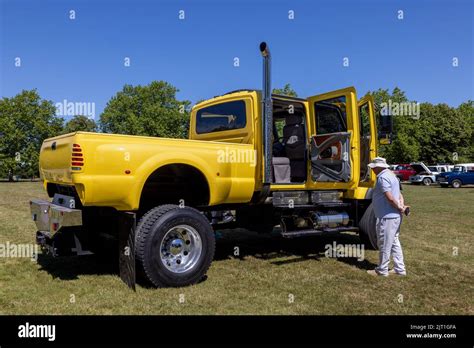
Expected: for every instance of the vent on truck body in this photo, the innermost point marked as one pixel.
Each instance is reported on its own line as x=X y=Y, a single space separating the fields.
x=77 y=158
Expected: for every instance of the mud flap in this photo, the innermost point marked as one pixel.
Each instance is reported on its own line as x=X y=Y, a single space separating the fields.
x=127 y=226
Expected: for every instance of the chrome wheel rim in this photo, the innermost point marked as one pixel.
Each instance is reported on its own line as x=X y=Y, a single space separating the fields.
x=180 y=248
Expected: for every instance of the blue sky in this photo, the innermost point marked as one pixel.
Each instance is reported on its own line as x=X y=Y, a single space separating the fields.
x=82 y=60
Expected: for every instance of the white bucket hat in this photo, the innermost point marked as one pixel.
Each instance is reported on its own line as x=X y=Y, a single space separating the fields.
x=378 y=162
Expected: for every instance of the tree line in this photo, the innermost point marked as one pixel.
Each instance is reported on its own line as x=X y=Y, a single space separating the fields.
x=429 y=133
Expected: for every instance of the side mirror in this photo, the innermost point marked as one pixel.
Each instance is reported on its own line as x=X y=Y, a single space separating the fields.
x=385 y=129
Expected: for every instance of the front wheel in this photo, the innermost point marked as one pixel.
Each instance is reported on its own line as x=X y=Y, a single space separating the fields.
x=427 y=181
x=367 y=230
x=456 y=183
x=174 y=246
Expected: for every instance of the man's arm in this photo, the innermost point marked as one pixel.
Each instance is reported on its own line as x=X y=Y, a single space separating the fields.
x=394 y=203
x=402 y=200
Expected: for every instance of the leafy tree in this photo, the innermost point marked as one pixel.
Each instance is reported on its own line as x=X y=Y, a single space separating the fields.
x=444 y=132
x=25 y=121
x=437 y=134
x=466 y=154
x=404 y=147
x=286 y=90
x=151 y=110
x=80 y=123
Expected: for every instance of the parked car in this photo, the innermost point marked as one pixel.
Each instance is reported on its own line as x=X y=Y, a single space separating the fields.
x=440 y=168
x=462 y=174
x=404 y=171
x=393 y=166
x=446 y=166
x=424 y=175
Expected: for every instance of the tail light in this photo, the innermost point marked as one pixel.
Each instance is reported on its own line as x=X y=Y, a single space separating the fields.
x=77 y=157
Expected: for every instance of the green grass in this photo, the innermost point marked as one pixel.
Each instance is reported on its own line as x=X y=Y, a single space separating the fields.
x=267 y=271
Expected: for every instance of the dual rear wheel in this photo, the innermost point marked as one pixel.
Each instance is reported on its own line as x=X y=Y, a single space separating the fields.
x=174 y=246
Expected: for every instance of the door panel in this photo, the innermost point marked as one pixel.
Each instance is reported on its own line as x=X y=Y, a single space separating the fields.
x=330 y=157
x=334 y=149
x=368 y=140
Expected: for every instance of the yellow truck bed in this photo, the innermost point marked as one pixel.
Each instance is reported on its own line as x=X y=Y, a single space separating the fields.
x=114 y=168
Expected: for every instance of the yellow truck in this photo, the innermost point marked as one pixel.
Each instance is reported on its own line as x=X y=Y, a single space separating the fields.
x=253 y=160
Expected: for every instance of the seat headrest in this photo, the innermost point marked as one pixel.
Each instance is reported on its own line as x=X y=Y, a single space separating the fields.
x=293 y=119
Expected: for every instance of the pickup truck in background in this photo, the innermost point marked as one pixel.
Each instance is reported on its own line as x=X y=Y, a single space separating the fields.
x=253 y=160
x=426 y=175
x=462 y=174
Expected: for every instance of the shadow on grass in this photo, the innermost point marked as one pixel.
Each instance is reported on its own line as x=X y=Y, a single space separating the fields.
x=71 y=267
x=272 y=247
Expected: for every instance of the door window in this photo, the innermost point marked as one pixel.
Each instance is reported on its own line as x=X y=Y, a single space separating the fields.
x=331 y=115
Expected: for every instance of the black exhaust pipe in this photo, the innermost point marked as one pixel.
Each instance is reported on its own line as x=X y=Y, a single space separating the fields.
x=267 y=114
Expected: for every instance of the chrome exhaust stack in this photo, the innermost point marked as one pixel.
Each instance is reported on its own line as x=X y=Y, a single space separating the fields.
x=267 y=114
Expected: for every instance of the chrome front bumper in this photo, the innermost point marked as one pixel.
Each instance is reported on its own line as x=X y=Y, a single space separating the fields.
x=416 y=180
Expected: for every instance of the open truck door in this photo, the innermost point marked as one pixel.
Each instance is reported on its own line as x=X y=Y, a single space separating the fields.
x=334 y=143
x=367 y=140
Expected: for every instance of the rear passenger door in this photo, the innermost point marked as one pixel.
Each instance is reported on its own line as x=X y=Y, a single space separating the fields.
x=333 y=144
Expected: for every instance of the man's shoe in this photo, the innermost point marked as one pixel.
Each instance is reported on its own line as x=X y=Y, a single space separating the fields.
x=392 y=271
x=373 y=272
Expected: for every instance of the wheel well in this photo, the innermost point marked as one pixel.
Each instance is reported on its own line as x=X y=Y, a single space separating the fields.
x=172 y=183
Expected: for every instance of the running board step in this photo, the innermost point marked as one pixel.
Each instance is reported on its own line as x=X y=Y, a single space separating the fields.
x=309 y=232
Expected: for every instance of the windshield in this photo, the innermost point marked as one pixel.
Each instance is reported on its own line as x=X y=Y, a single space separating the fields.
x=433 y=169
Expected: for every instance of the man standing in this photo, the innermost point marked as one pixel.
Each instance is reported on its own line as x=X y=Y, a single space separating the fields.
x=389 y=205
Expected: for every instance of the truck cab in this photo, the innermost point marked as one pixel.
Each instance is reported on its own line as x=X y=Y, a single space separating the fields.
x=320 y=142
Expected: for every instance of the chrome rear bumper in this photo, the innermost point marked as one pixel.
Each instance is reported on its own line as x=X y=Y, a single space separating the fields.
x=50 y=218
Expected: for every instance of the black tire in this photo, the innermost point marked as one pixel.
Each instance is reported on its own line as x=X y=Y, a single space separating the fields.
x=151 y=230
x=456 y=183
x=427 y=181
x=367 y=230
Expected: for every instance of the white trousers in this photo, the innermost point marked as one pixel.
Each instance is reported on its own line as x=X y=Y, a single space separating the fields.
x=388 y=231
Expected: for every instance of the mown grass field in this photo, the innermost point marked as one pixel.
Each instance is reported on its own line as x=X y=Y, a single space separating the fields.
x=268 y=274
